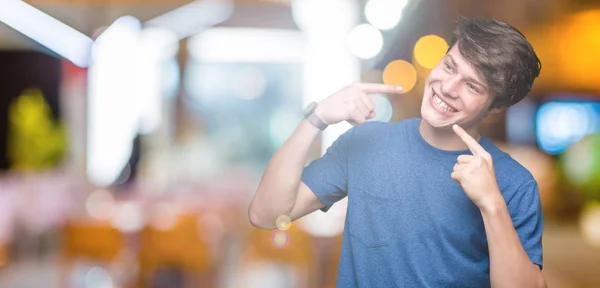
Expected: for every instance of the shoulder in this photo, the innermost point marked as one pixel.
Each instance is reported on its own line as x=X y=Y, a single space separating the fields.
x=507 y=167
x=514 y=180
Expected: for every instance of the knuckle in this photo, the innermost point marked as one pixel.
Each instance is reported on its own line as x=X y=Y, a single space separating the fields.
x=487 y=156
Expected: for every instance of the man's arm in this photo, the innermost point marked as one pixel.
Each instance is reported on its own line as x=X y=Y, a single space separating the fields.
x=509 y=264
x=280 y=186
x=281 y=191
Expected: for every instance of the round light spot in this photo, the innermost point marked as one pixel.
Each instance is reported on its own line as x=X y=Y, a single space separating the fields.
x=100 y=204
x=283 y=222
x=429 y=50
x=400 y=73
x=384 y=14
x=280 y=239
x=383 y=108
x=365 y=41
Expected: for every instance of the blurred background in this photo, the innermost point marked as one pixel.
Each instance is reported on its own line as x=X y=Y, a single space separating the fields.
x=134 y=133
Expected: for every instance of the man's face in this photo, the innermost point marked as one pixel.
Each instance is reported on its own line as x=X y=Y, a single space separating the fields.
x=455 y=93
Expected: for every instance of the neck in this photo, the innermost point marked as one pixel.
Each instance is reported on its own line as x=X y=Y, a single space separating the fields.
x=445 y=138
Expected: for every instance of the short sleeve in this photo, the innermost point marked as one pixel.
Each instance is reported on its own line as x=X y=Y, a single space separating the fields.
x=526 y=212
x=327 y=176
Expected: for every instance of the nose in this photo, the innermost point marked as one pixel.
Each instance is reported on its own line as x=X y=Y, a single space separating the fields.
x=449 y=87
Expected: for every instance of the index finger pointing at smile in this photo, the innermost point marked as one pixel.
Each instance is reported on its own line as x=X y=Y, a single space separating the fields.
x=375 y=88
x=472 y=144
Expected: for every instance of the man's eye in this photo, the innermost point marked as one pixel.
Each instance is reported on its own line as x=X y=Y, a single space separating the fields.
x=472 y=87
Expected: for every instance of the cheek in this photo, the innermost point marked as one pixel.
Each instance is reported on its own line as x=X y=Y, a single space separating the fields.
x=436 y=74
x=474 y=104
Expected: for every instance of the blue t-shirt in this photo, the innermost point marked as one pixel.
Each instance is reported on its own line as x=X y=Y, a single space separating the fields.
x=408 y=223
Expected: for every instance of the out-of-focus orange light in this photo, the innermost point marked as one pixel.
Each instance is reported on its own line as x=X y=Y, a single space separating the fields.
x=400 y=73
x=429 y=50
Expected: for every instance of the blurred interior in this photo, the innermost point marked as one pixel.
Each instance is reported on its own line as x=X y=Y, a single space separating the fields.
x=134 y=133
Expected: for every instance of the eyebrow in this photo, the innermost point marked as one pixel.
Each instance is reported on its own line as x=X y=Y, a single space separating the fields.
x=469 y=78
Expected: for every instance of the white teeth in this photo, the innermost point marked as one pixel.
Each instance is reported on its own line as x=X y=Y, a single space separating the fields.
x=442 y=105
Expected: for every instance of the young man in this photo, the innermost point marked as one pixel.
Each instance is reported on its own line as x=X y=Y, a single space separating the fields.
x=431 y=202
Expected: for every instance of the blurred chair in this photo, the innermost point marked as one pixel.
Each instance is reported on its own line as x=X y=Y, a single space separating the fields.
x=95 y=241
x=284 y=256
x=178 y=247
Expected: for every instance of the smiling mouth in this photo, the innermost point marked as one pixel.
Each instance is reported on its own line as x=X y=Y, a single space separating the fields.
x=441 y=105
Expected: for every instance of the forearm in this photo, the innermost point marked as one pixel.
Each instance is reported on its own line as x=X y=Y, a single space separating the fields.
x=278 y=188
x=509 y=264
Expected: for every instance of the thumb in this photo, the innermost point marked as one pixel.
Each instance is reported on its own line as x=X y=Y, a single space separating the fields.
x=371 y=115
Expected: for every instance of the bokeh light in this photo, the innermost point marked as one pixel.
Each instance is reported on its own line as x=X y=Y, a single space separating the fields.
x=98 y=277
x=383 y=108
x=365 y=41
x=560 y=124
x=283 y=222
x=400 y=73
x=590 y=223
x=280 y=239
x=581 y=162
x=100 y=204
x=128 y=217
x=384 y=14
x=429 y=50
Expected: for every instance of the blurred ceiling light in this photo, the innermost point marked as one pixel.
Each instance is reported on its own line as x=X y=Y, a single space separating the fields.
x=113 y=106
x=121 y=34
x=46 y=30
x=247 y=45
x=328 y=63
x=159 y=43
x=384 y=14
x=194 y=17
x=326 y=18
x=400 y=73
x=429 y=50
x=365 y=41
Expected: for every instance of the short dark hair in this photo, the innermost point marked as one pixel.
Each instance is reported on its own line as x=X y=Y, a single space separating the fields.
x=502 y=54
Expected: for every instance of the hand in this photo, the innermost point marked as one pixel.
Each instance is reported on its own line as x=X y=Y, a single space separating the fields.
x=475 y=173
x=352 y=103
